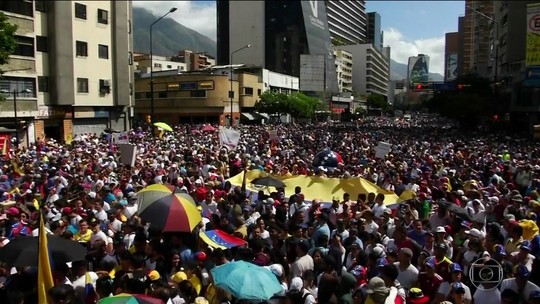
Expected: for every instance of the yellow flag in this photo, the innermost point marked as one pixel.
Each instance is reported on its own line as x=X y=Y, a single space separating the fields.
x=45 y=278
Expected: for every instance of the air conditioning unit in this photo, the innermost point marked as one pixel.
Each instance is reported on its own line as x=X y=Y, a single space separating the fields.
x=107 y=83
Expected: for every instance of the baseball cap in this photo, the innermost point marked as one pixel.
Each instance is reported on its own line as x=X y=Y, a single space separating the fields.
x=154 y=275
x=179 y=277
x=458 y=287
x=276 y=269
x=358 y=271
x=522 y=271
x=376 y=284
x=525 y=245
x=381 y=262
x=455 y=267
x=12 y=211
x=430 y=262
x=296 y=284
x=475 y=232
x=499 y=249
x=440 y=229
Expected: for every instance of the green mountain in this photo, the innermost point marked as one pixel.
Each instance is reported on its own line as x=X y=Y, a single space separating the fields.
x=169 y=36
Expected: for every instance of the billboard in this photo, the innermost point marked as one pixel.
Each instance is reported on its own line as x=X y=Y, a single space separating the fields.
x=451 y=67
x=532 y=57
x=318 y=38
x=312 y=73
x=418 y=69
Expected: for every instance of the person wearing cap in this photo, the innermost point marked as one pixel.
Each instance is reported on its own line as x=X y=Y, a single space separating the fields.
x=429 y=280
x=523 y=255
x=417 y=296
x=408 y=274
x=442 y=236
x=442 y=265
x=445 y=289
x=377 y=291
x=458 y=293
x=520 y=283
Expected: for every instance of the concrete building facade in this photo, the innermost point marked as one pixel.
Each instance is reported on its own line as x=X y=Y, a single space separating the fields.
x=72 y=69
x=371 y=69
x=142 y=64
x=451 y=56
x=344 y=69
x=477 y=31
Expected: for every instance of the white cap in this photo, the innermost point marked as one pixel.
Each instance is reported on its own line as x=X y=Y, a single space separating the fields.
x=440 y=229
x=475 y=232
x=296 y=284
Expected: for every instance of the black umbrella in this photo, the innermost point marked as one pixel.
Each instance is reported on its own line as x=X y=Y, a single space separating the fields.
x=455 y=209
x=22 y=252
x=268 y=181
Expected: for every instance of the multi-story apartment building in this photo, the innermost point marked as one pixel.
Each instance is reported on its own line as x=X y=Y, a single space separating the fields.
x=476 y=41
x=371 y=68
x=161 y=63
x=194 y=61
x=344 y=69
x=71 y=72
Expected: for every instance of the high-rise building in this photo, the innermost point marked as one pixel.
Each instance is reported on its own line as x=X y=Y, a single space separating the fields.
x=278 y=32
x=461 y=43
x=374 y=31
x=71 y=72
x=344 y=66
x=371 y=68
x=346 y=21
x=451 y=52
x=477 y=32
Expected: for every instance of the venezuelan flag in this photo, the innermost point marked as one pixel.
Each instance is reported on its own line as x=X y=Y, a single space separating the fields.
x=17 y=172
x=45 y=278
x=89 y=290
x=220 y=239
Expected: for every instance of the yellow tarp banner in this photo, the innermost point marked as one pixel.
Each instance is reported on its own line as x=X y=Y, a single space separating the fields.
x=314 y=187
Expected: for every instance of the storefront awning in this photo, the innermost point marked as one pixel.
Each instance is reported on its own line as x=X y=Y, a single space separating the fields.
x=249 y=116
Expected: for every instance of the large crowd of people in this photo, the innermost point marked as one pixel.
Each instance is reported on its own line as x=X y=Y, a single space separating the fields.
x=466 y=233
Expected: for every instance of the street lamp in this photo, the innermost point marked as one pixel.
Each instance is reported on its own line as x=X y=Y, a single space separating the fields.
x=231 y=92
x=15 y=117
x=172 y=10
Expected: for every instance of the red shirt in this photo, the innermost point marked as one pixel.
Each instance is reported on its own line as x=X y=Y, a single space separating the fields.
x=442 y=268
x=429 y=285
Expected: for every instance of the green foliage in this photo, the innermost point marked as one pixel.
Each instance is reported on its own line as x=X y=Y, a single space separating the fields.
x=337 y=41
x=297 y=105
x=377 y=101
x=7 y=38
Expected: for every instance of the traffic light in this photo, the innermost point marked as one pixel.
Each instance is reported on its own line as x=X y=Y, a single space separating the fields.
x=422 y=87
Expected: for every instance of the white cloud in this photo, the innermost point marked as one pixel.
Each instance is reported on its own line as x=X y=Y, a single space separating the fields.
x=198 y=16
x=402 y=49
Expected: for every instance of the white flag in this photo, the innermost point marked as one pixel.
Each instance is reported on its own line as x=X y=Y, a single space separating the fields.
x=228 y=138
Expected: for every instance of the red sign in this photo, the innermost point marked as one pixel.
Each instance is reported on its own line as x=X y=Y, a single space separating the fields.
x=5 y=140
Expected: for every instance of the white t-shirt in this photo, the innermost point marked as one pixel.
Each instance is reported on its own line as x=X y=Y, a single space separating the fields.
x=378 y=210
x=408 y=277
x=511 y=284
x=100 y=236
x=487 y=296
x=528 y=261
x=444 y=289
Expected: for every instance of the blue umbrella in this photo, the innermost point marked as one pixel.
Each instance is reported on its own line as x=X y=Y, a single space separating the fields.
x=246 y=281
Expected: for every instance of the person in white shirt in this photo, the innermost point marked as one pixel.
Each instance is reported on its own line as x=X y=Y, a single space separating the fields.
x=520 y=283
x=523 y=255
x=97 y=234
x=408 y=274
x=99 y=213
x=379 y=207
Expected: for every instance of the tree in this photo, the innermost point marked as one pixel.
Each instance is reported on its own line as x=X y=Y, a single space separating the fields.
x=300 y=105
x=7 y=39
x=272 y=103
x=377 y=101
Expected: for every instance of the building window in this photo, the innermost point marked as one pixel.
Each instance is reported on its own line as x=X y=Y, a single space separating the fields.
x=82 y=85
x=248 y=91
x=80 y=11
x=81 y=49
x=169 y=66
x=198 y=93
x=157 y=65
x=103 y=51
x=24 y=47
x=148 y=95
x=259 y=92
x=18 y=7
x=139 y=95
x=162 y=94
x=102 y=16
x=41 y=6
x=43 y=84
x=104 y=86
x=18 y=84
x=41 y=44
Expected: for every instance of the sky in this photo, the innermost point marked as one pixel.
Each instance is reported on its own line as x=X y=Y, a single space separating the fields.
x=410 y=27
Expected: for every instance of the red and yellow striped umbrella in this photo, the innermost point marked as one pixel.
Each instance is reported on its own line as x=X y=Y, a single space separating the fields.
x=166 y=210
